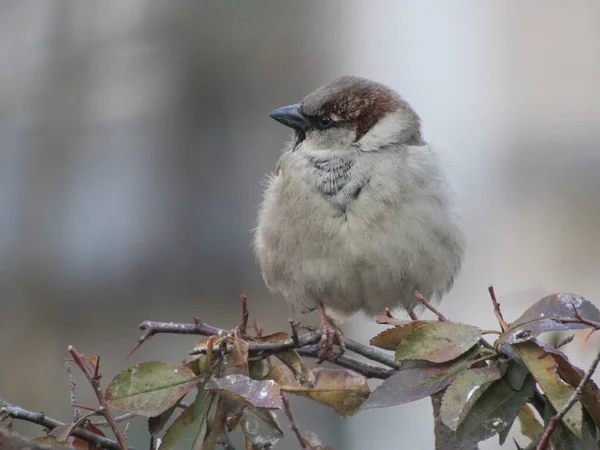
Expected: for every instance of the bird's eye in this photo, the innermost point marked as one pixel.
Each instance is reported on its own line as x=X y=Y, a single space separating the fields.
x=324 y=121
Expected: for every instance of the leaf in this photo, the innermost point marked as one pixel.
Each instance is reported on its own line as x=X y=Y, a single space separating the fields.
x=260 y=394
x=84 y=445
x=190 y=424
x=156 y=423
x=464 y=391
x=296 y=364
x=413 y=384
x=545 y=315
x=62 y=432
x=590 y=396
x=516 y=374
x=437 y=342
x=428 y=340
x=342 y=390
x=260 y=427
x=150 y=388
x=240 y=351
x=530 y=426
x=544 y=369
x=494 y=412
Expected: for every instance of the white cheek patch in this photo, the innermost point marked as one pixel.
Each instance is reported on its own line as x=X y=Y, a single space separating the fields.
x=389 y=129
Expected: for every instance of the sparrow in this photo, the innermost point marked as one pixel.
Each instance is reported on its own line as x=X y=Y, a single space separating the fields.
x=359 y=213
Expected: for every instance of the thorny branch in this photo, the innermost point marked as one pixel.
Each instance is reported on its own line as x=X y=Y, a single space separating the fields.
x=40 y=418
x=94 y=380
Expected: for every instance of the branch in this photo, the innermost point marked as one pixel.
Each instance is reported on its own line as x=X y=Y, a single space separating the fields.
x=430 y=307
x=553 y=423
x=94 y=380
x=497 y=311
x=40 y=418
x=293 y=425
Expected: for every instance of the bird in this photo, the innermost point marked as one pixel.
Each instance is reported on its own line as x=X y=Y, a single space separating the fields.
x=359 y=213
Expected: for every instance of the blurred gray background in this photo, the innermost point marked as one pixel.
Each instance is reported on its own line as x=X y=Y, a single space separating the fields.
x=134 y=138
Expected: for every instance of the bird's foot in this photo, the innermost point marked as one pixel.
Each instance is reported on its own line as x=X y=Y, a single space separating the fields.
x=329 y=334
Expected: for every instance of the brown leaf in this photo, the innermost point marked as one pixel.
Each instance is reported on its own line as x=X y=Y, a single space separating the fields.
x=546 y=315
x=341 y=389
x=62 y=432
x=240 y=351
x=296 y=364
x=84 y=445
x=464 y=391
x=544 y=369
x=260 y=394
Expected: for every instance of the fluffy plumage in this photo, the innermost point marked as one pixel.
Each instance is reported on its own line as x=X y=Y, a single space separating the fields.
x=359 y=213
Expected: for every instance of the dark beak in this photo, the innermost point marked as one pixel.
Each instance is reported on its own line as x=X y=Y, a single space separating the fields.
x=290 y=116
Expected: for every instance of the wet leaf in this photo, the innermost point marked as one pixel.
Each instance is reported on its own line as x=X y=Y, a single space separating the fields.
x=341 y=389
x=414 y=384
x=260 y=427
x=437 y=342
x=190 y=425
x=260 y=394
x=494 y=412
x=150 y=388
x=546 y=314
x=46 y=440
x=464 y=391
x=530 y=426
x=544 y=369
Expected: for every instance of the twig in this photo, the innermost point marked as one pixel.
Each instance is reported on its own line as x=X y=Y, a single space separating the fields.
x=244 y=325
x=497 y=311
x=293 y=425
x=348 y=362
x=430 y=307
x=413 y=315
x=94 y=380
x=47 y=422
x=151 y=328
x=72 y=394
x=127 y=416
x=553 y=423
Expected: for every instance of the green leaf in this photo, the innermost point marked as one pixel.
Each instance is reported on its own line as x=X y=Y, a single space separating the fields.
x=494 y=412
x=544 y=369
x=464 y=391
x=530 y=426
x=438 y=342
x=190 y=425
x=428 y=340
x=150 y=388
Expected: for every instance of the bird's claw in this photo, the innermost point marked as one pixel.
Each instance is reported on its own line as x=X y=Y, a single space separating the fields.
x=329 y=334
